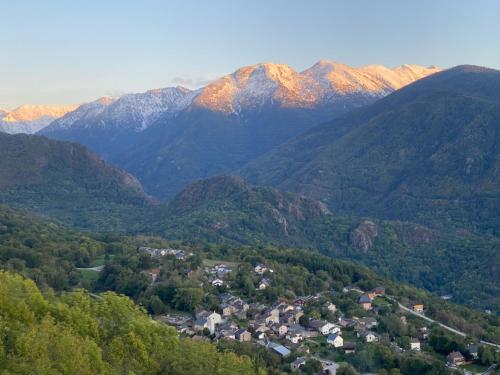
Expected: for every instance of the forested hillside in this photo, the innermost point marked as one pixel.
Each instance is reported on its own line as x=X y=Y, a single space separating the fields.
x=228 y=210
x=66 y=181
x=428 y=153
x=109 y=334
x=75 y=333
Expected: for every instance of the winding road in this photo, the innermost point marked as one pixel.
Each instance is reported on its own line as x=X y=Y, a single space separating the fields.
x=410 y=311
x=451 y=329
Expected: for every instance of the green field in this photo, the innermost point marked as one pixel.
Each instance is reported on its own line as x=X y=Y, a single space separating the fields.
x=475 y=369
x=212 y=262
x=89 y=275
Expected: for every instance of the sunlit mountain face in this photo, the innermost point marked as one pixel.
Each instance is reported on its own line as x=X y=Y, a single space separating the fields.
x=31 y=118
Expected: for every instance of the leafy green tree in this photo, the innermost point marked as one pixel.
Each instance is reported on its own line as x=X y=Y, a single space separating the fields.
x=312 y=366
x=188 y=298
x=346 y=370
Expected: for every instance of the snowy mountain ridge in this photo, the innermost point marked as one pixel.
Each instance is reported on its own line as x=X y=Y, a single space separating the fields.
x=324 y=82
x=247 y=89
x=137 y=110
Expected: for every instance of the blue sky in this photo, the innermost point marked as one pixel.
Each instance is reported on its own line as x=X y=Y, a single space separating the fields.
x=60 y=52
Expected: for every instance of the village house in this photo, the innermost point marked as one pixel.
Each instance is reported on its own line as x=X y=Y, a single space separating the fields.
x=264 y=283
x=347 y=323
x=260 y=327
x=369 y=336
x=262 y=268
x=292 y=317
x=279 y=329
x=335 y=339
x=329 y=307
x=256 y=308
x=417 y=307
x=243 y=335
x=260 y=335
x=226 y=309
x=473 y=351
x=297 y=328
x=222 y=271
x=282 y=307
x=294 y=337
x=226 y=329
x=298 y=364
x=323 y=327
x=226 y=334
x=414 y=344
x=365 y=301
x=205 y=319
x=301 y=301
x=153 y=252
x=239 y=304
x=217 y=282
x=271 y=316
x=368 y=322
x=379 y=291
x=455 y=359
x=240 y=314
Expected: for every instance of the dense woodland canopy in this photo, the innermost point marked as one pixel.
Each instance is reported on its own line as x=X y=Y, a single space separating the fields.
x=75 y=333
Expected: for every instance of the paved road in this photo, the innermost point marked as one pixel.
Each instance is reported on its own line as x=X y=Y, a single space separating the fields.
x=410 y=311
x=96 y=269
x=453 y=330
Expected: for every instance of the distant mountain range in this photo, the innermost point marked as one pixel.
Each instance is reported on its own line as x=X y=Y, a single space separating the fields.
x=29 y=119
x=170 y=137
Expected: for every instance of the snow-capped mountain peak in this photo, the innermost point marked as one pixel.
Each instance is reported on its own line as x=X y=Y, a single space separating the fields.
x=31 y=118
x=253 y=86
x=375 y=80
x=83 y=112
x=144 y=108
x=260 y=84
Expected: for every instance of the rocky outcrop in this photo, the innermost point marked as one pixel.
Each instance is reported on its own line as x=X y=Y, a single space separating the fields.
x=364 y=235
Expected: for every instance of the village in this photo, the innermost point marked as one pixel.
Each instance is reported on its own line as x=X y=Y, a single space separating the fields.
x=289 y=329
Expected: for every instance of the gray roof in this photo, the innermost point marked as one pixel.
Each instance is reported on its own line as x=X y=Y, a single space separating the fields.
x=240 y=331
x=201 y=321
x=299 y=360
x=455 y=355
x=332 y=336
x=280 y=349
x=473 y=348
x=365 y=299
x=317 y=323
